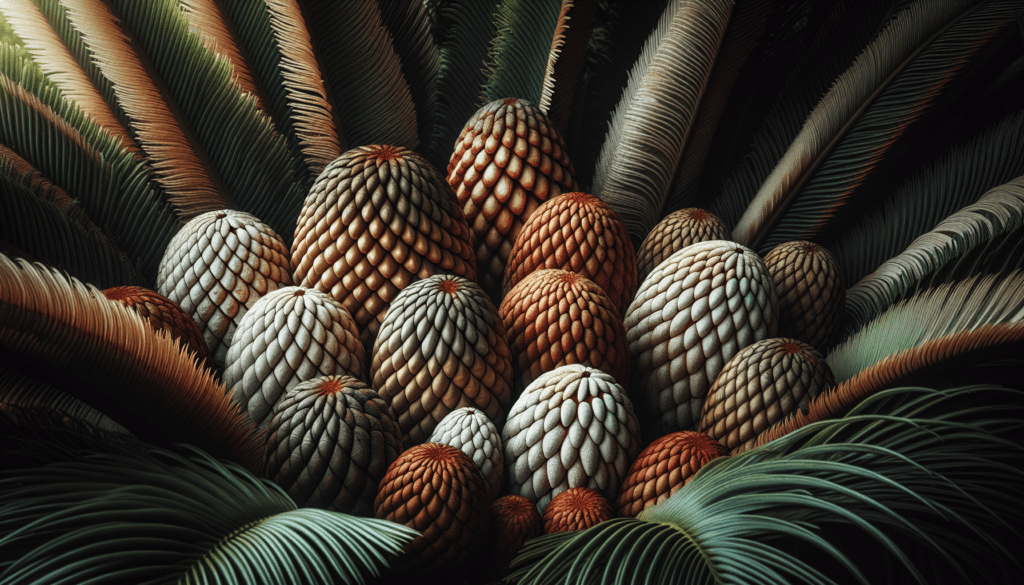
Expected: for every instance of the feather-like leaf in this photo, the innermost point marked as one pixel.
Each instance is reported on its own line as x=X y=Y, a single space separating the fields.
x=566 y=61
x=363 y=74
x=118 y=363
x=521 y=48
x=25 y=398
x=209 y=19
x=162 y=517
x=897 y=78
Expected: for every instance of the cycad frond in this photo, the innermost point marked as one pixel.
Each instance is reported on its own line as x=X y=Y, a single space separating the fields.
x=884 y=480
x=566 y=61
x=410 y=28
x=520 y=50
x=164 y=518
x=33 y=403
x=210 y=20
x=898 y=77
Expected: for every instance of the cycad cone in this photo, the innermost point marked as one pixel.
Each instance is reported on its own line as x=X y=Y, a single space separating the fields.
x=576 y=509
x=471 y=431
x=695 y=311
x=676 y=231
x=217 y=267
x=376 y=219
x=811 y=289
x=508 y=160
x=161 y=313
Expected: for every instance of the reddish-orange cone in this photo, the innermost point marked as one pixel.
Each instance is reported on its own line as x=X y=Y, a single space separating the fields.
x=162 y=313
x=575 y=509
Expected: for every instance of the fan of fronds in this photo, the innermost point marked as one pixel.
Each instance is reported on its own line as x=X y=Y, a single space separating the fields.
x=927 y=481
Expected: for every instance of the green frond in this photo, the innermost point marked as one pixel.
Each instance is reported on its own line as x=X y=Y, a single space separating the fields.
x=996 y=215
x=642 y=156
x=166 y=517
x=468 y=27
x=33 y=408
x=370 y=96
x=563 y=76
x=520 y=50
x=924 y=480
x=958 y=179
x=889 y=87
x=53 y=136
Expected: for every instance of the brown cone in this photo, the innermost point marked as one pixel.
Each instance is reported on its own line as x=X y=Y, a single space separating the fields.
x=514 y=520
x=162 y=313
x=579 y=233
x=575 y=509
x=508 y=160
x=761 y=385
x=663 y=467
x=437 y=490
x=811 y=289
x=377 y=219
x=554 y=318
x=676 y=231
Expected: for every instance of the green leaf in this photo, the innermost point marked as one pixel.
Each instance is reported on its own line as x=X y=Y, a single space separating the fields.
x=520 y=51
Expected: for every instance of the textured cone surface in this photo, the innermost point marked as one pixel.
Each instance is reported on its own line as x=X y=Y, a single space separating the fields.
x=811 y=289
x=576 y=509
x=441 y=347
x=676 y=231
x=437 y=490
x=329 y=443
x=292 y=335
x=377 y=219
x=579 y=233
x=553 y=318
x=508 y=160
x=514 y=520
x=695 y=311
x=760 y=386
x=663 y=467
x=217 y=266
x=572 y=427
x=161 y=313
x=469 y=430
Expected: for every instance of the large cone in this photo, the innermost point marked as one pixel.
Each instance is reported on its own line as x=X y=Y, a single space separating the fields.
x=217 y=267
x=760 y=386
x=471 y=431
x=441 y=347
x=377 y=219
x=576 y=509
x=329 y=443
x=508 y=160
x=572 y=427
x=811 y=289
x=676 y=231
x=162 y=313
x=579 y=233
x=554 y=318
x=292 y=335
x=697 y=310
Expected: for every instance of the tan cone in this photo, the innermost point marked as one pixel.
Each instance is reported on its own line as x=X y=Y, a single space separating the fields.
x=811 y=289
x=676 y=231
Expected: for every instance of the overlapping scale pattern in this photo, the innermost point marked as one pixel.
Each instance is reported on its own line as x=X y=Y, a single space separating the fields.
x=811 y=289
x=437 y=490
x=695 y=311
x=761 y=385
x=329 y=443
x=579 y=233
x=471 y=431
x=441 y=347
x=572 y=427
x=555 y=317
x=292 y=335
x=514 y=520
x=508 y=160
x=376 y=219
x=217 y=266
x=162 y=313
x=576 y=509
x=663 y=467
x=676 y=231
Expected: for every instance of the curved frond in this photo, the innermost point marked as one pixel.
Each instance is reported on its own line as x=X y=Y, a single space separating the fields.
x=116 y=362
x=566 y=60
x=165 y=517
x=32 y=403
x=521 y=48
x=897 y=78
x=657 y=123
x=209 y=19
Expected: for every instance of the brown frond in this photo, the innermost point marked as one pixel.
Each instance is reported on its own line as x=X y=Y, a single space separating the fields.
x=108 y=357
x=206 y=17
x=566 y=59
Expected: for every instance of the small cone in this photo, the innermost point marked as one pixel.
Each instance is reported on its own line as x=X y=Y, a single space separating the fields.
x=161 y=313
x=376 y=219
x=508 y=160
x=760 y=386
x=554 y=318
x=579 y=233
x=811 y=289
x=676 y=231
x=663 y=467
x=576 y=509
x=514 y=520
x=471 y=431
x=329 y=443
x=217 y=267
x=437 y=490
